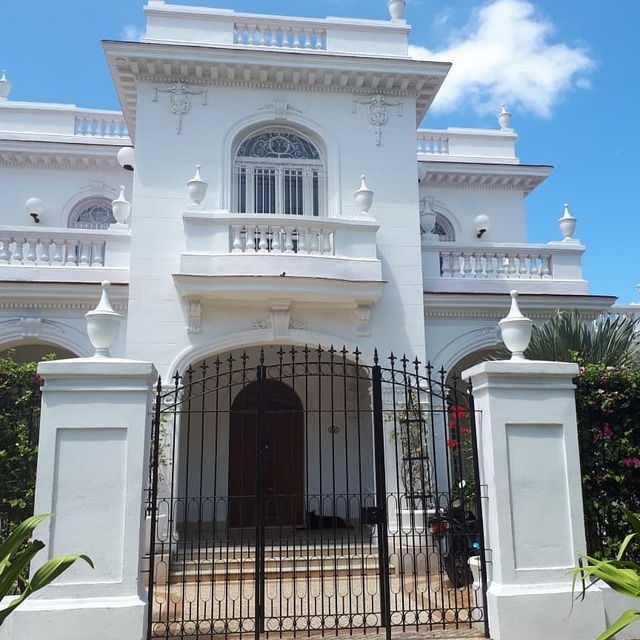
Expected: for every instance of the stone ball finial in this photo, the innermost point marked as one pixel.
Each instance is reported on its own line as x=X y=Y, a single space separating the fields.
x=103 y=324
x=516 y=329
x=5 y=86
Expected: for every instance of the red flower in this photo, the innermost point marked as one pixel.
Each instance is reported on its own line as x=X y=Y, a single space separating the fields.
x=452 y=443
x=457 y=411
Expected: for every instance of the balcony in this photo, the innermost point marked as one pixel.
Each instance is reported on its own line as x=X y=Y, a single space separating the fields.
x=308 y=259
x=552 y=269
x=467 y=145
x=64 y=255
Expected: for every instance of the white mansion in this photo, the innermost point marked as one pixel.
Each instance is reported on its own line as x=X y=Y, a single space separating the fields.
x=276 y=239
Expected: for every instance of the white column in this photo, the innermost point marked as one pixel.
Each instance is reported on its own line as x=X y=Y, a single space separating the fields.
x=92 y=470
x=533 y=511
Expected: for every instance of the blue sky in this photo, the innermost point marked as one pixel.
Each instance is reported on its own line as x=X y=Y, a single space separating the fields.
x=567 y=71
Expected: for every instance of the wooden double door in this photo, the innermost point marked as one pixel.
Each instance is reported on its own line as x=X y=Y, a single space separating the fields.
x=278 y=491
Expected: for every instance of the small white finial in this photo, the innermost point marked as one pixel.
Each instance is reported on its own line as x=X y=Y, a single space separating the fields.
x=5 y=86
x=516 y=329
x=121 y=208
x=103 y=324
x=363 y=197
x=197 y=188
x=396 y=8
x=567 y=224
x=504 y=119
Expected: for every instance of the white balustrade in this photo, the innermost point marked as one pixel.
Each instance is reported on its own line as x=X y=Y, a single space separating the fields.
x=100 y=127
x=434 y=145
x=308 y=239
x=482 y=263
x=279 y=35
x=63 y=248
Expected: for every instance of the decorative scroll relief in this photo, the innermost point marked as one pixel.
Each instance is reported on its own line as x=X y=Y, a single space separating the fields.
x=280 y=109
x=377 y=112
x=180 y=100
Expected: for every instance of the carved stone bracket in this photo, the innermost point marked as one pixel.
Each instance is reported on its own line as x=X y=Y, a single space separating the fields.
x=363 y=316
x=180 y=100
x=377 y=112
x=280 y=108
x=279 y=321
x=194 y=316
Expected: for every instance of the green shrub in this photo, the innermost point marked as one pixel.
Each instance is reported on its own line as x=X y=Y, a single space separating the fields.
x=608 y=408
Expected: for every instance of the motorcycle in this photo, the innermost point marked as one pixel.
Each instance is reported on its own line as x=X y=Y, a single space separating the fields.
x=455 y=532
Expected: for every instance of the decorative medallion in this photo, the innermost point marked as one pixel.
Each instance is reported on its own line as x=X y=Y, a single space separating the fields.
x=180 y=100
x=377 y=111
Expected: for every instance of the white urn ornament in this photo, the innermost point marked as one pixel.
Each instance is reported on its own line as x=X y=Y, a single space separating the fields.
x=197 y=188
x=567 y=224
x=364 y=198
x=396 y=8
x=516 y=329
x=103 y=324
x=121 y=208
x=428 y=220
x=5 y=86
x=504 y=119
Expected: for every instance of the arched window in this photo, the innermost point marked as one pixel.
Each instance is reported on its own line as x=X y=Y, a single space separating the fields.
x=279 y=171
x=93 y=213
x=444 y=229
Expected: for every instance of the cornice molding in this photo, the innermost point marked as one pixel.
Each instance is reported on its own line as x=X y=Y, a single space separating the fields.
x=484 y=176
x=58 y=297
x=58 y=156
x=219 y=66
x=496 y=307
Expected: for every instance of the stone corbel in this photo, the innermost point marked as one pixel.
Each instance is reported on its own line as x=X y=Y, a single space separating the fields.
x=194 y=315
x=363 y=316
x=280 y=318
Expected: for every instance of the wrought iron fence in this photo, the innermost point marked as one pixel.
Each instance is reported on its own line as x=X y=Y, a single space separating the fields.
x=304 y=491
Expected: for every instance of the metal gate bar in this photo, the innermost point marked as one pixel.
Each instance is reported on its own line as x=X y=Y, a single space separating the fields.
x=313 y=493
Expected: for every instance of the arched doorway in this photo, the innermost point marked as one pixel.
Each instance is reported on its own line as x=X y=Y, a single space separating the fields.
x=266 y=455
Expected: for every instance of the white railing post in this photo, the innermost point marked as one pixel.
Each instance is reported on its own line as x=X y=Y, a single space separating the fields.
x=92 y=471
x=530 y=471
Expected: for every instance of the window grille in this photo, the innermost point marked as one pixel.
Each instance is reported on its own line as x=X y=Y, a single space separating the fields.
x=279 y=172
x=92 y=214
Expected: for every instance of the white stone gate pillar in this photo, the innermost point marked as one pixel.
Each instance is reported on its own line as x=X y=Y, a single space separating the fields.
x=92 y=469
x=533 y=513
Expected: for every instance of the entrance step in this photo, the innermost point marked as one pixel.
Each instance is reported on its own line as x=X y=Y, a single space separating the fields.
x=244 y=567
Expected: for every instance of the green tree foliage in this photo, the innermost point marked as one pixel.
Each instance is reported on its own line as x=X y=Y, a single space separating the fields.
x=19 y=424
x=609 y=340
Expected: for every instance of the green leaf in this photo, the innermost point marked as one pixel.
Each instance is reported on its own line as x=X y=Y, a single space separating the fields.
x=19 y=536
x=51 y=569
x=621 y=623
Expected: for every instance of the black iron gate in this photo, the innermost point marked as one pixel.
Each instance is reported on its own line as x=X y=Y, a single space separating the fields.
x=307 y=493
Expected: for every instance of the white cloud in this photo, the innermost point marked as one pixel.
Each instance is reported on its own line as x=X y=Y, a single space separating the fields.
x=131 y=33
x=506 y=54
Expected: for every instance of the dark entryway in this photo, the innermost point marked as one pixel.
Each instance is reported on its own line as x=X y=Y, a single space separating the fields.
x=281 y=450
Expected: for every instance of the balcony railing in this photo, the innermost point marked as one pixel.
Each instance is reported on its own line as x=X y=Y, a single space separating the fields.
x=549 y=268
x=208 y=26
x=455 y=145
x=100 y=126
x=64 y=251
x=265 y=244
